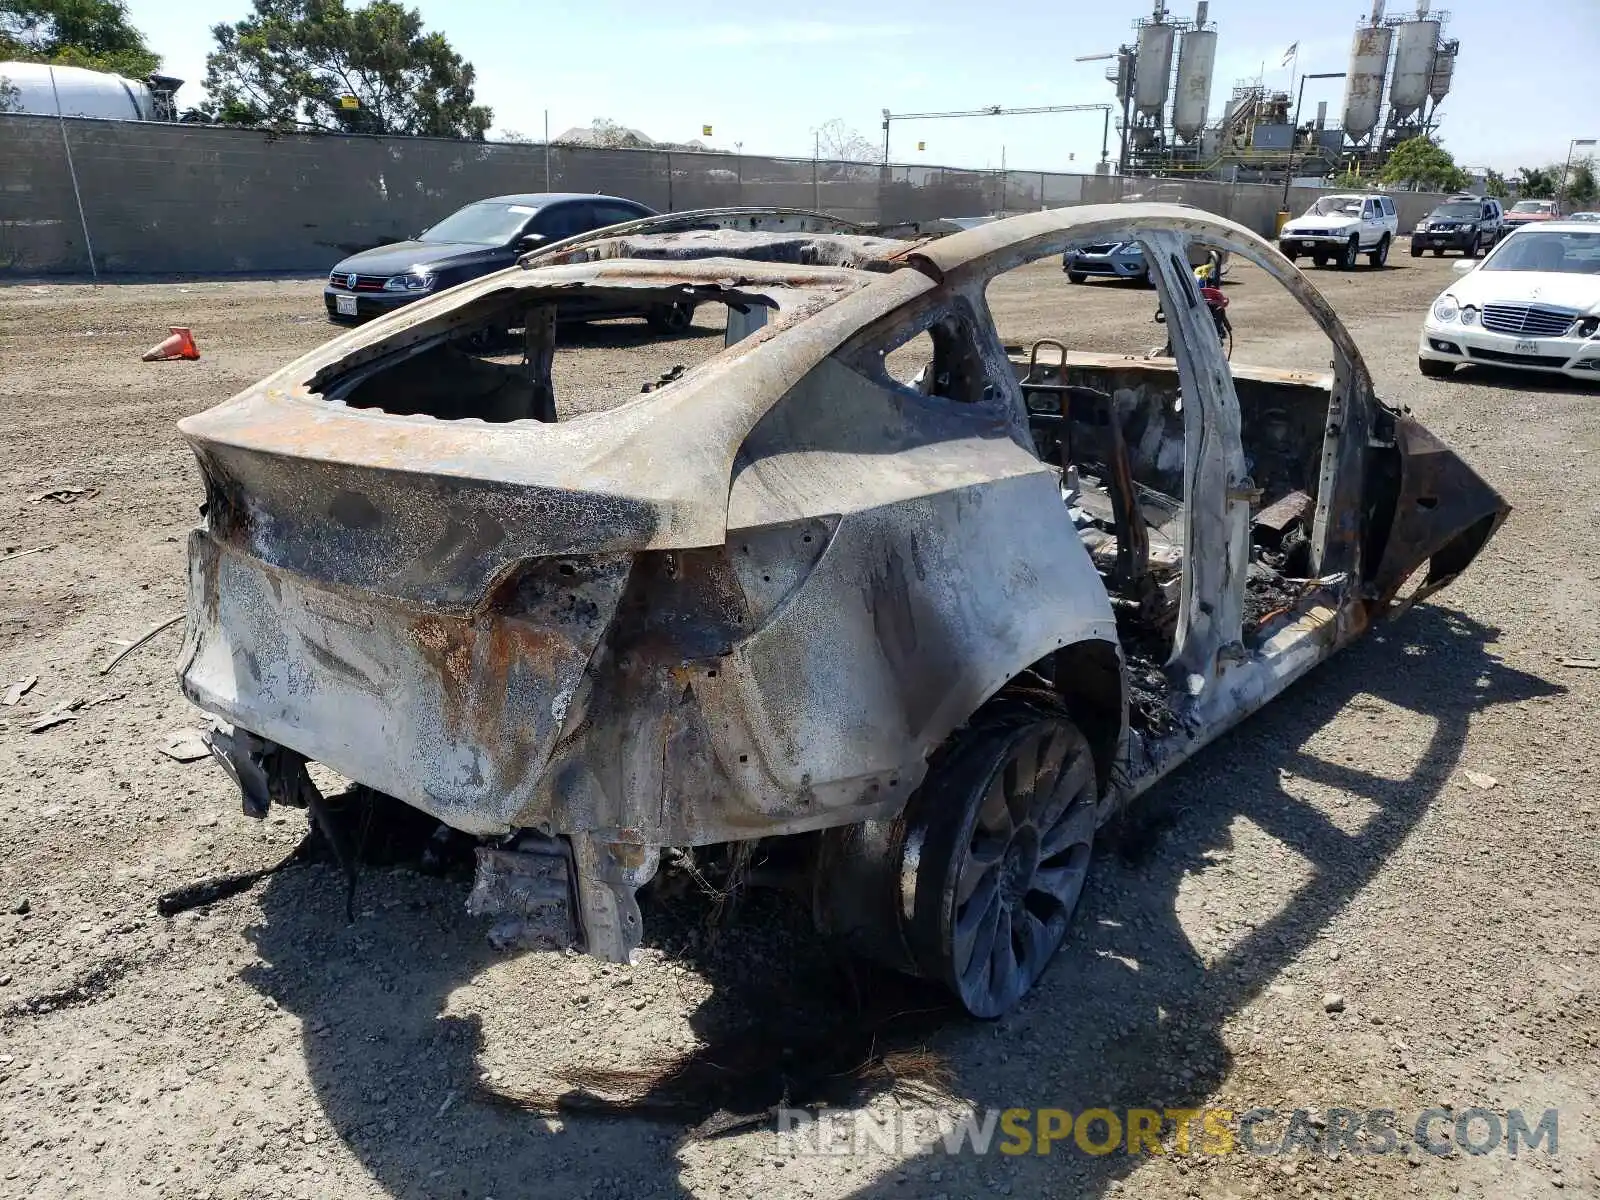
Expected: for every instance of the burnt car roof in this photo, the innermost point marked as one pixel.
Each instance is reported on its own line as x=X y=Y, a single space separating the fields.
x=677 y=497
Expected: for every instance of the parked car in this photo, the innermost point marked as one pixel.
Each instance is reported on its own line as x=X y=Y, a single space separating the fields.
x=1125 y=260
x=1584 y=216
x=1118 y=260
x=907 y=642
x=1533 y=304
x=1340 y=229
x=474 y=241
x=1470 y=224
x=1531 y=212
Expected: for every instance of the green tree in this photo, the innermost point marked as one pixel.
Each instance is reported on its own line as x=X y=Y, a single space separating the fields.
x=1537 y=183
x=75 y=33
x=1350 y=181
x=1423 y=165
x=298 y=62
x=1581 y=187
x=1495 y=184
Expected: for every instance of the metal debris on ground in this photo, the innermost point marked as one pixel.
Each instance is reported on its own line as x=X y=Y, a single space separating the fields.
x=18 y=690
x=140 y=640
x=68 y=710
x=185 y=745
x=65 y=495
x=23 y=553
x=58 y=715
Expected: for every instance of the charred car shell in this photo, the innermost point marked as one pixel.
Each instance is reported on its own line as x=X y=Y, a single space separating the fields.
x=782 y=594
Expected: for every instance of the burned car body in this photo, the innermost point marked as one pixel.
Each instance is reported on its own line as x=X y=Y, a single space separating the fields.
x=782 y=597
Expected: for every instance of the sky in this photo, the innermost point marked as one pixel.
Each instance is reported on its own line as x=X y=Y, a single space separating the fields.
x=764 y=77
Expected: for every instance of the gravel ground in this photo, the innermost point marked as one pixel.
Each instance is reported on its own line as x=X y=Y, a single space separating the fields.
x=1408 y=838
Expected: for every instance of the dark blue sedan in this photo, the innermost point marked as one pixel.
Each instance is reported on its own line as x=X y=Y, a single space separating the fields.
x=486 y=236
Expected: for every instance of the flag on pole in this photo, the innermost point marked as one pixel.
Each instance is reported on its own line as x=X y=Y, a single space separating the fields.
x=1289 y=54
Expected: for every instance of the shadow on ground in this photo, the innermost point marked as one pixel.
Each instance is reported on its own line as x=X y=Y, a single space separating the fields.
x=397 y=1079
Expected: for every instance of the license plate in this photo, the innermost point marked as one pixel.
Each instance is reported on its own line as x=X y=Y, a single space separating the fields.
x=1524 y=347
x=345 y=306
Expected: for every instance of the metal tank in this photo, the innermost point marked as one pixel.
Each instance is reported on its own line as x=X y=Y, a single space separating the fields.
x=1415 y=45
x=1153 y=69
x=1363 y=87
x=80 y=92
x=1197 y=53
x=1444 y=67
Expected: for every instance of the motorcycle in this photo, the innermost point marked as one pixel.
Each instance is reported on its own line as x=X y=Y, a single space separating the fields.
x=1208 y=276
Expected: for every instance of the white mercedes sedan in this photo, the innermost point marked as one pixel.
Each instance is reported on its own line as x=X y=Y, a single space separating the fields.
x=1533 y=304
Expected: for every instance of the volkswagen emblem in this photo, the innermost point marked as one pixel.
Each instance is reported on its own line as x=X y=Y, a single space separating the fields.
x=350 y=281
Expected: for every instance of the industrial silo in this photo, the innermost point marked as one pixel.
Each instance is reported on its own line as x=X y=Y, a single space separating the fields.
x=1363 y=88
x=1415 y=45
x=1154 y=68
x=1197 y=52
x=1444 y=67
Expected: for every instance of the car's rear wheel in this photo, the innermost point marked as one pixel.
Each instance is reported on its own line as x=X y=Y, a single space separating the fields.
x=1434 y=369
x=1416 y=248
x=671 y=318
x=1380 y=256
x=1348 y=256
x=1076 y=277
x=996 y=850
x=1320 y=259
x=1290 y=255
x=1438 y=251
x=1474 y=248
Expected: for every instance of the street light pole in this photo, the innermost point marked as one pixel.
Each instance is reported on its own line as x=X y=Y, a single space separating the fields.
x=1561 y=192
x=1294 y=131
x=1125 y=65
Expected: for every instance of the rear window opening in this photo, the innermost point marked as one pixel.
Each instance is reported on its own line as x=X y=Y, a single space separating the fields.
x=608 y=348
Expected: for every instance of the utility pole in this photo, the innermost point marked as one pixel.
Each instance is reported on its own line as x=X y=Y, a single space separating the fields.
x=1294 y=132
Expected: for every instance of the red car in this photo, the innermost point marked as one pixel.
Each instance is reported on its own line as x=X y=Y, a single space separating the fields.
x=1527 y=212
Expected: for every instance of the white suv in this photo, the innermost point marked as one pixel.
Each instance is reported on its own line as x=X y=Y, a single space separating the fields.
x=1341 y=228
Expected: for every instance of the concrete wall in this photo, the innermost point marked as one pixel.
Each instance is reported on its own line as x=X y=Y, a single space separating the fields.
x=194 y=199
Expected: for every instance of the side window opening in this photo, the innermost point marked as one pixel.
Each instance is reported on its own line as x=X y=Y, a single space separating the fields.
x=1104 y=407
x=1282 y=365
x=940 y=360
x=526 y=360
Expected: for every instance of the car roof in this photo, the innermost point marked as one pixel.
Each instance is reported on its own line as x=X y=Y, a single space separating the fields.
x=1564 y=225
x=540 y=199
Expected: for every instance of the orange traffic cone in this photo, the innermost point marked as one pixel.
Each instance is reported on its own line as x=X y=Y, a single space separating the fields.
x=179 y=345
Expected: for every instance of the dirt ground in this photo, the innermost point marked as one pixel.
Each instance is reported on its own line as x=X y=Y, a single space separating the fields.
x=1412 y=828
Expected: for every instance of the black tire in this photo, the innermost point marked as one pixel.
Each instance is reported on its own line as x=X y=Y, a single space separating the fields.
x=1290 y=255
x=671 y=319
x=1076 y=277
x=1438 y=252
x=1416 y=249
x=1379 y=256
x=1348 y=255
x=1434 y=369
x=1320 y=259
x=1474 y=248
x=1000 y=860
